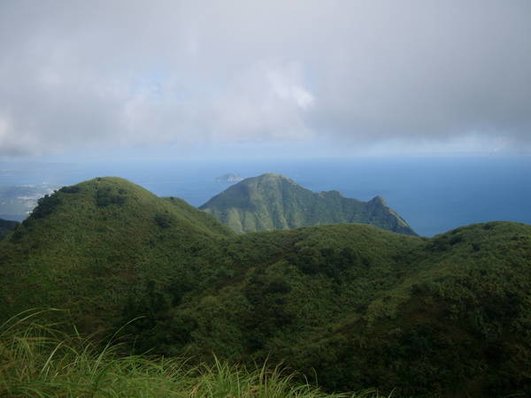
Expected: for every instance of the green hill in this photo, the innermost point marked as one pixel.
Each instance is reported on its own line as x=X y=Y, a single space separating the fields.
x=350 y=305
x=90 y=246
x=7 y=226
x=358 y=307
x=271 y=202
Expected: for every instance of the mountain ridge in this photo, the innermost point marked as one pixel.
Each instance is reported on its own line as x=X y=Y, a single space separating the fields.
x=272 y=201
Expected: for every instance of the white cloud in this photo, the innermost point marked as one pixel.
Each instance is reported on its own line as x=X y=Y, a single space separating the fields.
x=4 y=130
x=266 y=101
x=287 y=87
x=359 y=74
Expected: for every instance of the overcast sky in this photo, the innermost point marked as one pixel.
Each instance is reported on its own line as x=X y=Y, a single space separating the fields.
x=327 y=77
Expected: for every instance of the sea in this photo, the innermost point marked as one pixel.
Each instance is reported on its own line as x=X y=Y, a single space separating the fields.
x=433 y=194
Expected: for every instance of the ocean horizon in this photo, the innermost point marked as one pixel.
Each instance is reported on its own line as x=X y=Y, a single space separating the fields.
x=433 y=194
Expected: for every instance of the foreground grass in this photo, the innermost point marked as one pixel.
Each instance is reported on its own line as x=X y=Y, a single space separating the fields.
x=39 y=360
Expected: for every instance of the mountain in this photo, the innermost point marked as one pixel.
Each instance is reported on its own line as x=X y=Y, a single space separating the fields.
x=271 y=202
x=6 y=226
x=353 y=305
x=91 y=246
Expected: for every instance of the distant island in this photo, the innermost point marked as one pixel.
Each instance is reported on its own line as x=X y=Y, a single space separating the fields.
x=230 y=178
x=272 y=201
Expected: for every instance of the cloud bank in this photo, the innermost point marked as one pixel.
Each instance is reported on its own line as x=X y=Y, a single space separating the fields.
x=182 y=74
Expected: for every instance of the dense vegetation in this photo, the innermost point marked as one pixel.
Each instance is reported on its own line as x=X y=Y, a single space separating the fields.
x=271 y=202
x=350 y=306
x=6 y=226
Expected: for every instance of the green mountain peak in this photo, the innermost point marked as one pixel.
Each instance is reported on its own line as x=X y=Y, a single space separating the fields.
x=272 y=201
x=96 y=242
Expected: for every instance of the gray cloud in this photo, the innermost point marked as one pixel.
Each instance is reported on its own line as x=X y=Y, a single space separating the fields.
x=359 y=74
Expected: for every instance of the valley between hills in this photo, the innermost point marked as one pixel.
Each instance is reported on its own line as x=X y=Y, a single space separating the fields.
x=339 y=291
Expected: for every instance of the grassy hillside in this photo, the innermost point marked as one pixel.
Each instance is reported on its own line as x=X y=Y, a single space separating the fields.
x=91 y=246
x=272 y=202
x=458 y=326
x=350 y=305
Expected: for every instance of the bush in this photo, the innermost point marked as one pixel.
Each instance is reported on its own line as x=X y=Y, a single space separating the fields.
x=163 y=220
x=45 y=206
x=70 y=189
x=106 y=197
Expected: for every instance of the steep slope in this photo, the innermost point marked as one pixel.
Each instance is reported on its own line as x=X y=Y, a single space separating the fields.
x=90 y=246
x=271 y=202
x=198 y=218
x=7 y=226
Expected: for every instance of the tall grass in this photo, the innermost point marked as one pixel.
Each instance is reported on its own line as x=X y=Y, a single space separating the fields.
x=41 y=360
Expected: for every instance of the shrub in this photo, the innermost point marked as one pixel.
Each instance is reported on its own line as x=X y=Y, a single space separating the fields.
x=106 y=197
x=45 y=206
x=163 y=220
x=70 y=189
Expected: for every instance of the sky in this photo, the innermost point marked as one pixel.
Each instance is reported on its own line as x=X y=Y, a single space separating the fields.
x=320 y=78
